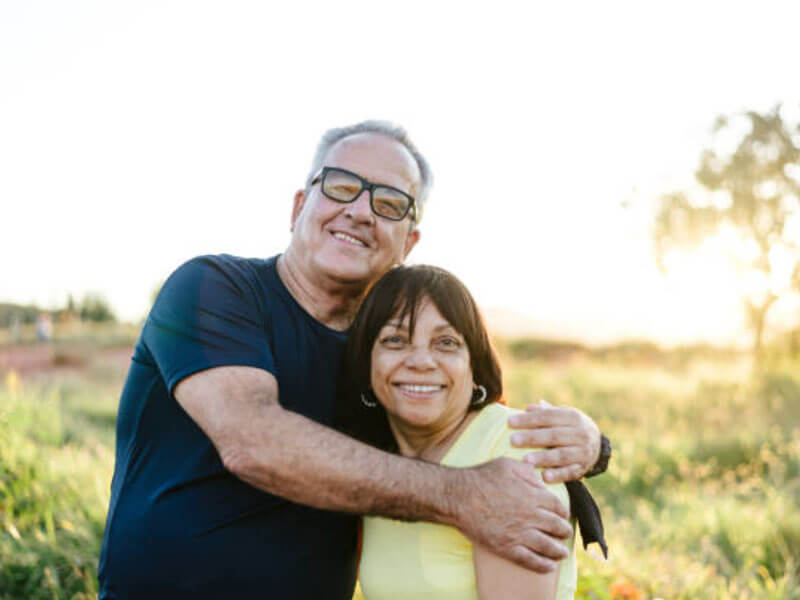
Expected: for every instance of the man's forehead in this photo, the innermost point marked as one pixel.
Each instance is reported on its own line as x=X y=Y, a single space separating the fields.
x=377 y=157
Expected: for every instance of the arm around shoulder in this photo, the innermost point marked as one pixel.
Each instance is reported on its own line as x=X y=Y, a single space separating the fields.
x=289 y=455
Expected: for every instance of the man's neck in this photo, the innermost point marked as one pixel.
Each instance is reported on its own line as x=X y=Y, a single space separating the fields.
x=331 y=303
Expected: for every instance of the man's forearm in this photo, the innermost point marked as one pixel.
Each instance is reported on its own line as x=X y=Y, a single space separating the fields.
x=291 y=456
x=501 y=504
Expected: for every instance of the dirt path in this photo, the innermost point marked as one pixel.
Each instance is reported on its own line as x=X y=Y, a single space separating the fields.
x=43 y=358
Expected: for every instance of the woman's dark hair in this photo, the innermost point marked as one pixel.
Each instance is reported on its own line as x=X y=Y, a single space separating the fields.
x=399 y=293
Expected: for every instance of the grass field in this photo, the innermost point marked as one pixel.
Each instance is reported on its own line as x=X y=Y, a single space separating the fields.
x=701 y=499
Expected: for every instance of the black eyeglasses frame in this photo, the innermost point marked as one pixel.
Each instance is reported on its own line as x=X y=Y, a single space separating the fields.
x=366 y=185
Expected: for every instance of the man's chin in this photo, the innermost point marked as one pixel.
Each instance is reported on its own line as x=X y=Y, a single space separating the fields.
x=349 y=274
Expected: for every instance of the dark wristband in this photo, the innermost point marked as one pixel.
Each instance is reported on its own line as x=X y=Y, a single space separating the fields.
x=602 y=461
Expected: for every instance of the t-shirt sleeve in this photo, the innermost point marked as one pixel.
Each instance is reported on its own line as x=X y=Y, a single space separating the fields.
x=207 y=314
x=568 y=570
x=503 y=447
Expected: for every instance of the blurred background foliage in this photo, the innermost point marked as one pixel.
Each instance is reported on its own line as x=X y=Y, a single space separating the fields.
x=701 y=497
x=700 y=500
x=749 y=190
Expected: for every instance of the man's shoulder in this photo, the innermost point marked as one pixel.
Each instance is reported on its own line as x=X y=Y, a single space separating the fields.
x=228 y=263
x=217 y=280
x=213 y=270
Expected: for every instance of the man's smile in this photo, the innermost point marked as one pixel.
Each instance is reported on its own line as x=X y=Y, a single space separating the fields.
x=350 y=239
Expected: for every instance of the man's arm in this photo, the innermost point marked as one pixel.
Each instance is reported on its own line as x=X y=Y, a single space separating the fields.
x=501 y=505
x=572 y=440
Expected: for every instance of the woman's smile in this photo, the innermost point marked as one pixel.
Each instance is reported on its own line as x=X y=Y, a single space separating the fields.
x=422 y=378
x=418 y=390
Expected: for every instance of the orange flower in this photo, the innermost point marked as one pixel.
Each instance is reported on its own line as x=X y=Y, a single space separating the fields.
x=625 y=590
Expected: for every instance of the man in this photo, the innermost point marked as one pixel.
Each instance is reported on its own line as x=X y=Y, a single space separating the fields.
x=228 y=480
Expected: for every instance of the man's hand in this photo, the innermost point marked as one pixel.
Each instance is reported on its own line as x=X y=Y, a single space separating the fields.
x=572 y=439
x=504 y=506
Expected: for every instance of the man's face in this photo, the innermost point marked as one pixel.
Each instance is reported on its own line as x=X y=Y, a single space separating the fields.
x=348 y=242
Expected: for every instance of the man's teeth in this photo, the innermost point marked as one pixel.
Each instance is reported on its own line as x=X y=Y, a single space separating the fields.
x=421 y=389
x=348 y=238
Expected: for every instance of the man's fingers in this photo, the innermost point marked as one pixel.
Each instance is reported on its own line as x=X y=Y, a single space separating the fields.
x=510 y=511
x=550 y=436
x=545 y=416
x=551 y=524
x=529 y=474
x=557 y=457
x=548 y=501
x=544 y=545
x=530 y=560
x=571 y=472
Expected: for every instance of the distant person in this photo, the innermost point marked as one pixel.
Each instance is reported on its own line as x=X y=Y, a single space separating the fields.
x=15 y=328
x=424 y=382
x=44 y=327
x=229 y=481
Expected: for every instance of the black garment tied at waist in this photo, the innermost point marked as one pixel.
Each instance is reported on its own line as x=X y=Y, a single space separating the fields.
x=584 y=509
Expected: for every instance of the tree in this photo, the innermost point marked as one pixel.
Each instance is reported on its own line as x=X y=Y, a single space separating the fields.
x=753 y=191
x=95 y=308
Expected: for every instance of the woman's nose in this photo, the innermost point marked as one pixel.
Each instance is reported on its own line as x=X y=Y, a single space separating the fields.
x=420 y=358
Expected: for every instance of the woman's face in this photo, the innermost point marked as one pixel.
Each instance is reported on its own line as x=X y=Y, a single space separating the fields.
x=424 y=382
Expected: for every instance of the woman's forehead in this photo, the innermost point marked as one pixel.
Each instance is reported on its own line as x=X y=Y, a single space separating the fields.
x=425 y=311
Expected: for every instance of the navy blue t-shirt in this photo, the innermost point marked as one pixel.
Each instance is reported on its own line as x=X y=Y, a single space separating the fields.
x=181 y=526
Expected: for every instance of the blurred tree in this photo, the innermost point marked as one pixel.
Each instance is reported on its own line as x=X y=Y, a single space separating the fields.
x=754 y=191
x=94 y=307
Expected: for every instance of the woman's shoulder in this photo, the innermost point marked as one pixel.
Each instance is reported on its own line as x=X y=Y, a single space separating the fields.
x=485 y=438
x=498 y=435
x=497 y=417
x=492 y=422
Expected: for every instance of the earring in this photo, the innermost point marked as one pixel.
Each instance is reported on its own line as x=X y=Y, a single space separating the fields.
x=482 y=398
x=366 y=402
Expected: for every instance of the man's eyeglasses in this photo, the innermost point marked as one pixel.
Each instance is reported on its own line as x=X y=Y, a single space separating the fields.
x=385 y=201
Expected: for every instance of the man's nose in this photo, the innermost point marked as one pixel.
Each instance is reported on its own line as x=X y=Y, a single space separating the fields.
x=359 y=209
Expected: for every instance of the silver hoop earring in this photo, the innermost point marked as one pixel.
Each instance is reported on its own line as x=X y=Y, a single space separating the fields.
x=480 y=400
x=367 y=403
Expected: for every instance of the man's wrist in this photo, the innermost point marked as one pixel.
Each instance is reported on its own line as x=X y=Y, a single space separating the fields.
x=449 y=503
x=601 y=464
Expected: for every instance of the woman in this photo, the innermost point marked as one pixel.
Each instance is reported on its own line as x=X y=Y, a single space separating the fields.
x=424 y=381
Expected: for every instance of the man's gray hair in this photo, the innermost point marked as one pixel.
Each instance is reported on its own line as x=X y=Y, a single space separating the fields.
x=332 y=136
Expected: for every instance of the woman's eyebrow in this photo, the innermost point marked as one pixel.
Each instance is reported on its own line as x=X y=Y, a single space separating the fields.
x=447 y=326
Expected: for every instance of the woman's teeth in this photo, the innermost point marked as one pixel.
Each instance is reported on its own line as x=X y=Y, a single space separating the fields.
x=421 y=389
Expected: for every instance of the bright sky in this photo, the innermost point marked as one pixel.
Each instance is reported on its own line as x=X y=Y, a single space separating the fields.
x=134 y=135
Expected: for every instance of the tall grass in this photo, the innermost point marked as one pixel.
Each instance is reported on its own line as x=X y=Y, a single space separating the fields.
x=702 y=494
x=55 y=461
x=701 y=499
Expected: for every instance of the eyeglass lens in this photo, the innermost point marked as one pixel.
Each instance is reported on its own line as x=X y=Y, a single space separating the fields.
x=386 y=202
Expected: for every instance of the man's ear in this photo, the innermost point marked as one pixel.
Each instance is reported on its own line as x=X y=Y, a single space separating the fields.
x=297 y=206
x=411 y=241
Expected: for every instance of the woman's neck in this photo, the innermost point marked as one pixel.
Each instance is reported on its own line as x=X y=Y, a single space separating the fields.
x=429 y=443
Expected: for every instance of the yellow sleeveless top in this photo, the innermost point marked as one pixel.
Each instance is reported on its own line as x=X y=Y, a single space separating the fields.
x=425 y=560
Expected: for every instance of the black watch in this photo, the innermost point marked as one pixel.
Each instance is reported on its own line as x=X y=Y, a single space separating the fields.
x=602 y=461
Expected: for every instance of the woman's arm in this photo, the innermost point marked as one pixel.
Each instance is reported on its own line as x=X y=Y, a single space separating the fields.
x=500 y=579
